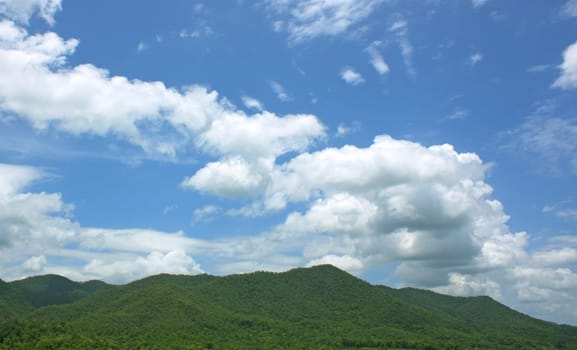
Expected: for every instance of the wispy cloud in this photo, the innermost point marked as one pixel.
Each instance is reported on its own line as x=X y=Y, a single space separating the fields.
x=458 y=114
x=377 y=59
x=204 y=214
x=252 y=103
x=141 y=46
x=539 y=68
x=478 y=3
x=550 y=139
x=570 y=8
x=344 y=129
x=280 y=91
x=203 y=31
x=308 y=19
x=169 y=209
x=401 y=30
x=475 y=58
x=568 y=213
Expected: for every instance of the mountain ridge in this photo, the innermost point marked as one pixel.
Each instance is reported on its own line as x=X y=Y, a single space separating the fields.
x=317 y=307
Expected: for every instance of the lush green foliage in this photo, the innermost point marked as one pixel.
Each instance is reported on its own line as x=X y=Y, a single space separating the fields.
x=318 y=308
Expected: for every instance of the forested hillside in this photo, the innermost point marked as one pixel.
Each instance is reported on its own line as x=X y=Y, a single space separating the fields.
x=317 y=308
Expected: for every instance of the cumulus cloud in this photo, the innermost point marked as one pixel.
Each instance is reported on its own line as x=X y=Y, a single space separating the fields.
x=39 y=87
x=425 y=207
x=231 y=178
x=351 y=76
x=35 y=264
x=344 y=262
x=23 y=10
x=467 y=285
x=15 y=177
x=309 y=19
x=568 y=78
x=36 y=227
x=120 y=271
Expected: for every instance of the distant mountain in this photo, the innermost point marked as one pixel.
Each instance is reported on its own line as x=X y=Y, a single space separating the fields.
x=482 y=312
x=307 y=308
x=53 y=289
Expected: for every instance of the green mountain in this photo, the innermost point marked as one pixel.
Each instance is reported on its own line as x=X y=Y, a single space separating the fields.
x=12 y=301
x=313 y=308
x=52 y=289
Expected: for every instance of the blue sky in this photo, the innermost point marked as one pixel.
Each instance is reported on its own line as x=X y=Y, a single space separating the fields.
x=423 y=143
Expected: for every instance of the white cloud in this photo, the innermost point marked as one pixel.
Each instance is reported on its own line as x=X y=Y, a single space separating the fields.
x=169 y=208
x=252 y=103
x=424 y=207
x=202 y=31
x=351 y=76
x=467 y=285
x=568 y=78
x=344 y=262
x=566 y=256
x=23 y=10
x=343 y=129
x=15 y=177
x=340 y=213
x=475 y=58
x=539 y=68
x=309 y=19
x=378 y=61
x=141 y=46
x=35 y=264
x=231 y=178
x=133 y=240
x=398 y=26
x=478 y=3
x=120 y=271
x=567 y=213
x=401 y=30
x=458 y=114
x=570 y=8
x=280 y=92
x=38 y=86
x=205 y=213
x=36 y=227
x=262 y=135
x=552 y=140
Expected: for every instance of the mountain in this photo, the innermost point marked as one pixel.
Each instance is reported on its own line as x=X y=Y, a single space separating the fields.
x=53 y=289
x=12 y=301
x=310 y=308
x=480 y=311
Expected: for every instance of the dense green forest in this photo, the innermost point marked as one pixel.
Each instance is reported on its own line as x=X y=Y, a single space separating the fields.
x=309 y=308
